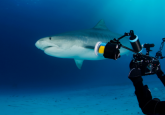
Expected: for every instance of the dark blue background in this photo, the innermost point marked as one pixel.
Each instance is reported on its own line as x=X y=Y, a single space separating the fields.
x=22 y=23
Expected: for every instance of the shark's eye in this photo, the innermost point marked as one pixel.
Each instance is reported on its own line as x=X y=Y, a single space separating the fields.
x=50 y=38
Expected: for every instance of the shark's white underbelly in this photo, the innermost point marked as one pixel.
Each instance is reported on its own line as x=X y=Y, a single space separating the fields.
x=74 y=52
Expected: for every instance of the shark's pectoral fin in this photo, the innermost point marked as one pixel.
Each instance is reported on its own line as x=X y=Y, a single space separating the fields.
x=78 y=63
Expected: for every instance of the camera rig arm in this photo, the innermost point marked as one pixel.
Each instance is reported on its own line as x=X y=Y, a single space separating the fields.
x=159 y=53
x=131 y=34
x=111 y=49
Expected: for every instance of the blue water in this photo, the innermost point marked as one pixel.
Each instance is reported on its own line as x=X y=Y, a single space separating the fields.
x=25 y=70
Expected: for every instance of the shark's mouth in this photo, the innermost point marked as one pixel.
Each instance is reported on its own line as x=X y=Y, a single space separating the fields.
x=47 y=47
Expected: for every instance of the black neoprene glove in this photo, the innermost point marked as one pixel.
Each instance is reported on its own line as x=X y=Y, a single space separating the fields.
x=135 y=76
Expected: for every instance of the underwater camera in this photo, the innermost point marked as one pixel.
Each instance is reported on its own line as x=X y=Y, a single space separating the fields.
x=147 y=64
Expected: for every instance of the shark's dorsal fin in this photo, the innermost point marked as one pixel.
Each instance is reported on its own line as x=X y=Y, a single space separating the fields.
x=78 y=63
x=101 y=25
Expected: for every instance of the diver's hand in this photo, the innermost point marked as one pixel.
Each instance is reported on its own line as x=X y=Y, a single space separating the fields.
x=135 y=76
x=136 y=68
x=134 y=72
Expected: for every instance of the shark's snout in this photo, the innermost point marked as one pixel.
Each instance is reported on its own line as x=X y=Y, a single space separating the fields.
x=44 y=44
x=39 y=45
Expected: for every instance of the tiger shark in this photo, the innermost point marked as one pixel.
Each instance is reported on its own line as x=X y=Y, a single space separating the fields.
x=79 y=45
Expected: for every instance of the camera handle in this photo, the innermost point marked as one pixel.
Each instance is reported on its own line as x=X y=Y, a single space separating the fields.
x=159 y=53
x=161 y=76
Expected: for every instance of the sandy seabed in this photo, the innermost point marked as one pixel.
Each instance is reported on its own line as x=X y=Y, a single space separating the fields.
x=105 y=100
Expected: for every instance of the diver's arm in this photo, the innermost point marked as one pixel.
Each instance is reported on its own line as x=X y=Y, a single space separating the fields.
x=143 y=94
